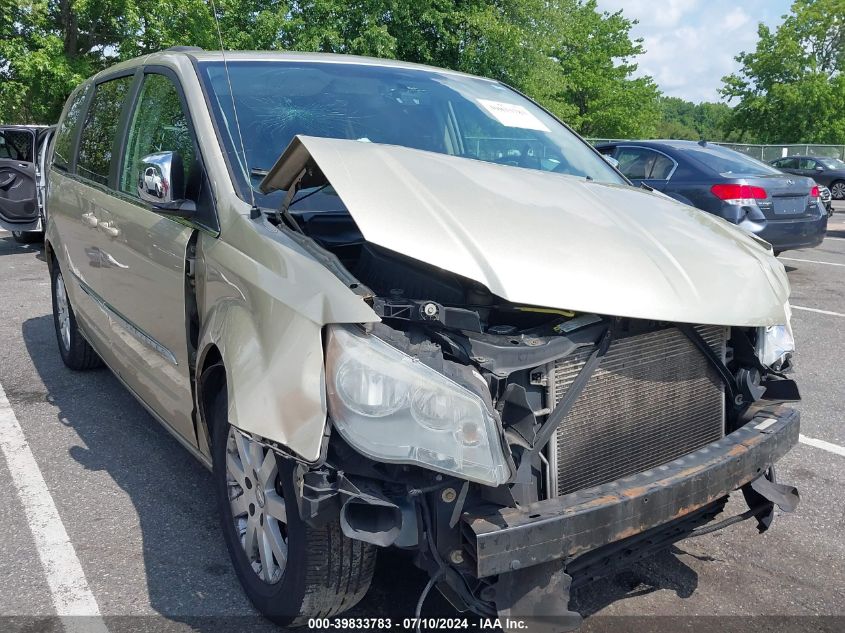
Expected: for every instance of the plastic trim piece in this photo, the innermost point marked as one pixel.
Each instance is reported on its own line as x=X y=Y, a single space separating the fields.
x=128 y=325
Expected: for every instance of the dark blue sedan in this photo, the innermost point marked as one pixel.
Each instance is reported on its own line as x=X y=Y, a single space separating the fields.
x=781 y=208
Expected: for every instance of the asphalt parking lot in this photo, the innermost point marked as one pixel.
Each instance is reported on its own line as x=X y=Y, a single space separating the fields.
x=139 y=511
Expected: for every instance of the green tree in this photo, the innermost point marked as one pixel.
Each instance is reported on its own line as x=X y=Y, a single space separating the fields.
x=594 y=88
x=791 y=88
x=48 y=46
x=574 y=59
x=42 y=58
x=693 y=121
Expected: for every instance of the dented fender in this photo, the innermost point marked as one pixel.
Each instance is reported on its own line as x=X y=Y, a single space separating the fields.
x=263 y=303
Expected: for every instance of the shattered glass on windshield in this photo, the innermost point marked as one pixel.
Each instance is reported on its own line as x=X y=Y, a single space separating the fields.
x=430 y=110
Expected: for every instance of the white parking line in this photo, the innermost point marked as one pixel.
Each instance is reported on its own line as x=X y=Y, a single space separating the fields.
x=830 y=312
x=825 y=446
x=69 y=590
x=810 y=261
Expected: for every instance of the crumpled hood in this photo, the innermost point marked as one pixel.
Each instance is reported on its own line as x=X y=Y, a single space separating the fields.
x=546 y=239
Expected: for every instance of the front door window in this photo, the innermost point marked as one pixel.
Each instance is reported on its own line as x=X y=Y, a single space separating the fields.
x=159 y=124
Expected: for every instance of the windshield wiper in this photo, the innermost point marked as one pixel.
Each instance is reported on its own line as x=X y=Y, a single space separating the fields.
x=257 y=172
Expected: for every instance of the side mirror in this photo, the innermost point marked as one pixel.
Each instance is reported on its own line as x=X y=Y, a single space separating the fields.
x=161 y=183
x=819 y=168
x=611 y=160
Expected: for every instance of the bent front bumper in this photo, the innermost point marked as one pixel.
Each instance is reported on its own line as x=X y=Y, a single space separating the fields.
x=507 y=539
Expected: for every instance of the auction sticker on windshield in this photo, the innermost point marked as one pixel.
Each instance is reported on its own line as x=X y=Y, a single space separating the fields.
x=512 y=115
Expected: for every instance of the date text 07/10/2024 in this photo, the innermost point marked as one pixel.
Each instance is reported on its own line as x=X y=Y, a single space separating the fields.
x=415 y=624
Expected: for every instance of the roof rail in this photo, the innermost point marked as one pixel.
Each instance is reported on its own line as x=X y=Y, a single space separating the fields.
x=182 y=49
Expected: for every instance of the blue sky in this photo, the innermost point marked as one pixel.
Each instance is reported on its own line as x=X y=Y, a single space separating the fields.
x=690 y=44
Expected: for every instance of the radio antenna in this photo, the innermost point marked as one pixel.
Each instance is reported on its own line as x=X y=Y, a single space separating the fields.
x=244 y=163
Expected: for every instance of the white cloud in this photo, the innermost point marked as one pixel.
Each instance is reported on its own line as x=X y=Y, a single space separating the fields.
x=665 y=14
x=690 y=45
x=735 y=19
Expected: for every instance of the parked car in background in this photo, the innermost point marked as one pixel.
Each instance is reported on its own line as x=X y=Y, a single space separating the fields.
x=410 y=308
x=783 y=210
x=827 y=199
x=826 y=171
x=23 y=152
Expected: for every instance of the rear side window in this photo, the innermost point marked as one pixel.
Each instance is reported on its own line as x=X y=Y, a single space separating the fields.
x=728 y=162
x=64 y=137
x=787 y=163
x=17 y=145
x=99 y=129
x=833 y=163
x=158 y=124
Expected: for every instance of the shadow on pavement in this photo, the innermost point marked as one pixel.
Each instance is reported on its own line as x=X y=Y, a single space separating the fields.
x=664 y=571
x=8 y=246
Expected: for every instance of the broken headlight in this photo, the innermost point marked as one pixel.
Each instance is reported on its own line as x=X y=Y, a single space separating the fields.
x=393 y=408
x=775 y=345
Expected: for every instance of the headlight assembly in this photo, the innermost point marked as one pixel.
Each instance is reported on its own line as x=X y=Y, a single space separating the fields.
x=775 y=345
x=393 y=408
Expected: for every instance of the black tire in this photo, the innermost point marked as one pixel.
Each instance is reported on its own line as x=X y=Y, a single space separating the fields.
x=326 y=572
x=837 y=190
x=27 y=237
x=78 y=354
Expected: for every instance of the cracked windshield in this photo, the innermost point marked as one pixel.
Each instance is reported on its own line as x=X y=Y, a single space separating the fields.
x=435 y=111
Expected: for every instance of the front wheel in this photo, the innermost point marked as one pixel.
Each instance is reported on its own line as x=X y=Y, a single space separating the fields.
x=76 y=352
x=290 y=571
x=837 y=190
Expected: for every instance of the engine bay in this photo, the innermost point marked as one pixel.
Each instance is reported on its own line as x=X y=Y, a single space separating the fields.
x=458 y=327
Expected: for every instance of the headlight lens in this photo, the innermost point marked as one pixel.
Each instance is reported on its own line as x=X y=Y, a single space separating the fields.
x=394 y=408
x=775 y=345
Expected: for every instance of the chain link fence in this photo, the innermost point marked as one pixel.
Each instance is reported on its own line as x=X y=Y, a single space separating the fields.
x=768 y=153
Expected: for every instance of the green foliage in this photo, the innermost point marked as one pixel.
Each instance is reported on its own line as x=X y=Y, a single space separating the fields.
x=791 y=88
x=592 y=87
x=574 y=59
x=686 y=120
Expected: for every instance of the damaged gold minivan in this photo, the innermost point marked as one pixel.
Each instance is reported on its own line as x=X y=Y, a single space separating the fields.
x=399 y=306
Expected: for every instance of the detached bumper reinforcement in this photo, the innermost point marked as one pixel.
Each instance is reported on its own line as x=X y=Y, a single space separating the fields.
x=505 y=539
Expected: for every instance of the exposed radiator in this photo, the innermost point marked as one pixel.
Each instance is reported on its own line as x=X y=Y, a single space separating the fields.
x=653 y=398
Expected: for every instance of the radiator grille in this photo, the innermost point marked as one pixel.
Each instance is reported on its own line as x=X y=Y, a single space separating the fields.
x=653 y=398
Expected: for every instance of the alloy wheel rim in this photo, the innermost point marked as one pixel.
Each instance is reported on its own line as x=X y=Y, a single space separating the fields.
x=838 y=190
x=258 y=509
x=63 y=311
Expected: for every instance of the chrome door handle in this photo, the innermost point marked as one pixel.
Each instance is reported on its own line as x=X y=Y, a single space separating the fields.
x=109 y=229
x=89 y=219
